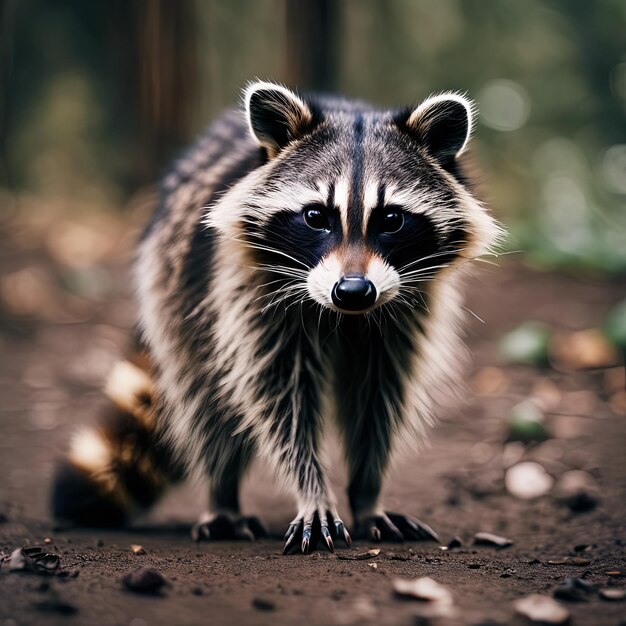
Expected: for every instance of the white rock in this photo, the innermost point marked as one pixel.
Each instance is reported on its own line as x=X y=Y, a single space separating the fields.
x=540 y=609
x=573 y=482
x=425 y=589
x=528 y=480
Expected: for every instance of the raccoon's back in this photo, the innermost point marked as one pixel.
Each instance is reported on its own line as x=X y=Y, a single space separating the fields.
x=173 y=269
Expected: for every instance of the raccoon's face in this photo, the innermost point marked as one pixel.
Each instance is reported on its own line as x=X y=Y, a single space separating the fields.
x=357 y=208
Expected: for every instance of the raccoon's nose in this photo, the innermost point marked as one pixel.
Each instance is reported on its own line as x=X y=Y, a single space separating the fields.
x=354 y=293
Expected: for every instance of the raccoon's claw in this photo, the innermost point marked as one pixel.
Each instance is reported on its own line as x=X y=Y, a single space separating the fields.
x=222 y=526
x=304 y=533
x=394 y=527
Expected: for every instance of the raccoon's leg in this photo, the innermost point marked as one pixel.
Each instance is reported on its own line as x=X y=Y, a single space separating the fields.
x=369 y=412
x=366 y=474
x=223 y=520
x=298 y=460
x=286 y=425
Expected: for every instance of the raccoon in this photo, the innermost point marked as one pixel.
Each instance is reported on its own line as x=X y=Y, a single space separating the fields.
x=304 y=264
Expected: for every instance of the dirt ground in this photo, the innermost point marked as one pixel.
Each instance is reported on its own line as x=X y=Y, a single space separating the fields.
x=56 y=354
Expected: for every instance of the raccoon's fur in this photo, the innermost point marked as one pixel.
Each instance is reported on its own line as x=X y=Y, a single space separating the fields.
x=304 y=264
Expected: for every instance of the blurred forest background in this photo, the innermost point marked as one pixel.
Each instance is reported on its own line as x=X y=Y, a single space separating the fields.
x=97 y=97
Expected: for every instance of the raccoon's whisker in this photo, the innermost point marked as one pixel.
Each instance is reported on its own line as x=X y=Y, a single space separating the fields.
x=423 y=270
x=426 y=274
x=282 y=293
x=273 y=282
x=431 y=256
x=287 y=273
x=285 y=291
x=274 y=304
x=271 y=267
x=480 y=319
x=499 y=254
x=372 y=315
x=421 y=280
x=412 y=290
x=431 y=295
x=255 y=246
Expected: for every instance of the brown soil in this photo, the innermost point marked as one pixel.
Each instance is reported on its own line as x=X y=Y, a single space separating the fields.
x=51 y=371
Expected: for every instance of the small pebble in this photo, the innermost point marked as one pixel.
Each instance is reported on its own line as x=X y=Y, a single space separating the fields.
x=577 y=490
x=263 y=605
x=570 y=560
x=455 y=542
x=489 y=539
x=614 y=595
x=425 y=589
x=370 y=554
x=528 y=480
x=574 y=590
x=144 y=580
x=137 y=549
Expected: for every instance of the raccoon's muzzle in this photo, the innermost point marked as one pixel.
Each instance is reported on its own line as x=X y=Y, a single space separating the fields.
x=354 y=293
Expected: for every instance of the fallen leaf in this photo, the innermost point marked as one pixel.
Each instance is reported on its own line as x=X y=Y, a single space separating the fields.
x=583 y=349
x=34 y=560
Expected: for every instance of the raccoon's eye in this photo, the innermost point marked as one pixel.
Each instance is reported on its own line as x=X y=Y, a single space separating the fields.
x=393 y=221
x=316 y=218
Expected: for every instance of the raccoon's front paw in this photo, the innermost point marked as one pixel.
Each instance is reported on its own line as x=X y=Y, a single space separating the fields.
x=385 y=526
x=225 y=526
x=309 y=527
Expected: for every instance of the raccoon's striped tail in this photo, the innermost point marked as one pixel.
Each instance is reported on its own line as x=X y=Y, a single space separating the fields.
x=116 y=468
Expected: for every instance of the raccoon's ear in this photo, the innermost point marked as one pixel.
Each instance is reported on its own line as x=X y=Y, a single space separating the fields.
x=443 y=124
x=276 y=115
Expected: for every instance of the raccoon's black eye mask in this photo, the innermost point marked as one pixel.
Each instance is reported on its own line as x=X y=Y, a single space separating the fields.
x=416 y=239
